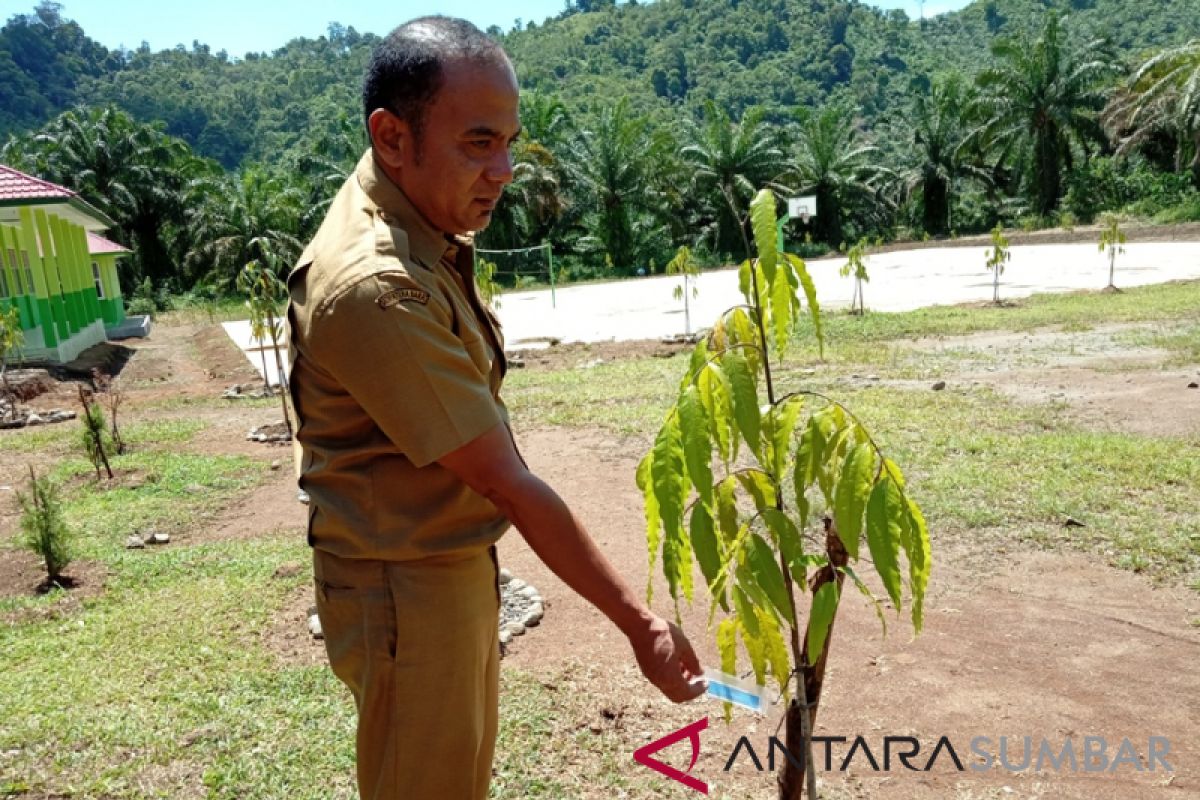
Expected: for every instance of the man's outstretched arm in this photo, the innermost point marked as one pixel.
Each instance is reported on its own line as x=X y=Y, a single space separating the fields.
x=490 y=465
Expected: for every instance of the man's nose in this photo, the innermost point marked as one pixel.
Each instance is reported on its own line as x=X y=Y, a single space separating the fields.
x=500 y=170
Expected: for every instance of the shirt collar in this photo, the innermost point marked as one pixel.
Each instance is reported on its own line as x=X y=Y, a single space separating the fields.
x=425 y=243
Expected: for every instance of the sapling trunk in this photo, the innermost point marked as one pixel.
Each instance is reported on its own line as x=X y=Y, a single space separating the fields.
x=810 y=680
x=283 y=388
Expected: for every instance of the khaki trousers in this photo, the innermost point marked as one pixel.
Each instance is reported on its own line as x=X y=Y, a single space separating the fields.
x=416 y=643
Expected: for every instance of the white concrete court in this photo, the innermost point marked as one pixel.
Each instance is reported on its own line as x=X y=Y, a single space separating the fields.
x=902 y=280
x=899 y=281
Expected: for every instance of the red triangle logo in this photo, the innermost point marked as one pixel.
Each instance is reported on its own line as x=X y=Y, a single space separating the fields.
x=644 y=755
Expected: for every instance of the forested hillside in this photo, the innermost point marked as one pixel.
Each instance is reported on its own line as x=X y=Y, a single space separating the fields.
x=648 y=126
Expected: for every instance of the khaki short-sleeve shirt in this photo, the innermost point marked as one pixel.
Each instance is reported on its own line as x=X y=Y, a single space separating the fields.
x=396 y=362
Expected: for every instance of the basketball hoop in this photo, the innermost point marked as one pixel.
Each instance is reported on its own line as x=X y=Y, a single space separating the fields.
x=802 y=208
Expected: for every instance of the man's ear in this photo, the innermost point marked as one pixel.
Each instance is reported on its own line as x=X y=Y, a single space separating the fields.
x=390 y=137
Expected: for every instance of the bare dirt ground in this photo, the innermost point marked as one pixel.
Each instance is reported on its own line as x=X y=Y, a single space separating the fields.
x=1045 y=645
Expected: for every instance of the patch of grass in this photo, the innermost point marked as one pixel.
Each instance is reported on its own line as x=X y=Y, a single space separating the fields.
x=1182 y=341
x=50 y=439
x=626 y=396
x=1168 y=301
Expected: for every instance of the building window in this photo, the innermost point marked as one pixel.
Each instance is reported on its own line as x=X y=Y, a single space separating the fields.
x=96 y=278
x=28 y=274
x=16 y=269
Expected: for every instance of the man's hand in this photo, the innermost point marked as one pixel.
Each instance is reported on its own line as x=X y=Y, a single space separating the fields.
x=490 y=465
x=668 y=661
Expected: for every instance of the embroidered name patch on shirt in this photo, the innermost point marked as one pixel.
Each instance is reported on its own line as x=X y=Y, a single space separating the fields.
x=397 y=296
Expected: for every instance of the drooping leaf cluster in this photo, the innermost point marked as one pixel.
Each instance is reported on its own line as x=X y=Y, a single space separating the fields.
x=734 y=479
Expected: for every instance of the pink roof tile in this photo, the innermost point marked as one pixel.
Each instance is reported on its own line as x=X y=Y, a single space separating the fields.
x=15 y=185
x=98 y=245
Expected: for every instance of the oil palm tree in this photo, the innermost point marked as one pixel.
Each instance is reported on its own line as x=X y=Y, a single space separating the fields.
x=1040 y=105
x=613 y=168
x=835 y=163
x=939 y=160
x=240 y=218
x=729 y=163
x=1161 y=98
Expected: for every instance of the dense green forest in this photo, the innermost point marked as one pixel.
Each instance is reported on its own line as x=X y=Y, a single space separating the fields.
x=647 y=126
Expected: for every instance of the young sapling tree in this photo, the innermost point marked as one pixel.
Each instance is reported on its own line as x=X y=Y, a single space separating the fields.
x=1112 y=239
x=856 y=265
x=44 y=529
x=781 y=460
x=683 y=264
x=997 y=257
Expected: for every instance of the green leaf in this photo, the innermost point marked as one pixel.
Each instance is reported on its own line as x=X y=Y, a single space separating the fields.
x=782 y=299
x=810 y=292
x=697 y=449
x=824 y=606
x=850 y=496
x=704 y=543
x=762 y=221
x=745 y=400
x=791 y=544
x=918 y=561
x=755 y=648
x=653 y=519
x=716 y=396
x=885 y=518
x=769 y=576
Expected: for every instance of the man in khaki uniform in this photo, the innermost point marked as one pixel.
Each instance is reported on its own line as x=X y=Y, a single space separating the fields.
x=406 y=451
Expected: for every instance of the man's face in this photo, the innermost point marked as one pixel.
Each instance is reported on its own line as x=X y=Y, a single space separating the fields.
x=456 y=172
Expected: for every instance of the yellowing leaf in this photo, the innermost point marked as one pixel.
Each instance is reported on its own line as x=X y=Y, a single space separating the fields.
x=670 y=490
x=727 y=648
x=697 y=449
x=918 y=561
x=758 y=485
x=776 y=652
x=727 y=515
x=752 y=637
x=885 y=517
x=718 y=406
x=782 y=300
x=810 y=293
x=762 y=221
x=783 y=426
x=745 y=281
x=745 y=400
x=745 y=610
x=824 y=606
x=745 y=332
x=850 y=496
x=653 y=520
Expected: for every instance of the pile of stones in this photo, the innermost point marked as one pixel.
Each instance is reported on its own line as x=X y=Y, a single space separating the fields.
x=246 y=390
x=521 y=607
x=138 y=541
x=272 y=432
x=31 y=418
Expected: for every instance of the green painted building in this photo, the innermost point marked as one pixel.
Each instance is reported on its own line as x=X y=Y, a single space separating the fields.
x=56 y=268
